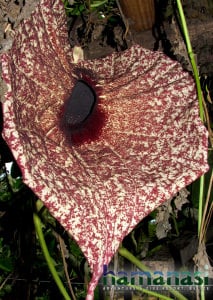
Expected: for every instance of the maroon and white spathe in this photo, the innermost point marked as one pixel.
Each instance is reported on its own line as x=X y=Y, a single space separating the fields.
x=151 y=144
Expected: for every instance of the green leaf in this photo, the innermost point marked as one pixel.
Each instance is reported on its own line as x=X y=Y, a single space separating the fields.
x=6 y=264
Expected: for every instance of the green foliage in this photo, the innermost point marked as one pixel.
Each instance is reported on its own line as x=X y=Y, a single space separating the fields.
x=9 y=183
x=6 y=287
x=82 y=6
x=76 y=8
x=5 y=190
x=6 y=260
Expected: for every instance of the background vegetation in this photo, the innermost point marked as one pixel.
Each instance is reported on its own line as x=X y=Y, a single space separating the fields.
x=24 y=273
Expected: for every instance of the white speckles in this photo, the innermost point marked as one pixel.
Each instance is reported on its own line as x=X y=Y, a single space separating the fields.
x=153 y=143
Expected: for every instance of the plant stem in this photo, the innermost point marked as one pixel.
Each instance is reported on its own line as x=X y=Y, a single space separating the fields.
x=191 y=56
x=38 y=228
x=138 y=288
x=200 y=100
x=128 y=255
x=62 y=245
x=200 y=208
x=202 y=292
x=207 y=211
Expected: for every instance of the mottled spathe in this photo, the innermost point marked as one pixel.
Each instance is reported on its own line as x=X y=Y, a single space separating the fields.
x=151 y=146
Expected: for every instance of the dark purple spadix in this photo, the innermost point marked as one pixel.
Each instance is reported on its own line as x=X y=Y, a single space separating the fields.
x=80 y=105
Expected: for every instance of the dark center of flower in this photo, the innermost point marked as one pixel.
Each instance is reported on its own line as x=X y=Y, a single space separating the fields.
x=80 y=105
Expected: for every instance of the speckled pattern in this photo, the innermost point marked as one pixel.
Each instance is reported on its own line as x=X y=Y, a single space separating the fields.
x=151 y=145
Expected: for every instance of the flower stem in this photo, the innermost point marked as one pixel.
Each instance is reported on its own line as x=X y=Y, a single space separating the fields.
x=38 y=228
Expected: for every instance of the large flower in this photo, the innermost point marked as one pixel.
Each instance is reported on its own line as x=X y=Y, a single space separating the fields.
x=149 y=145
